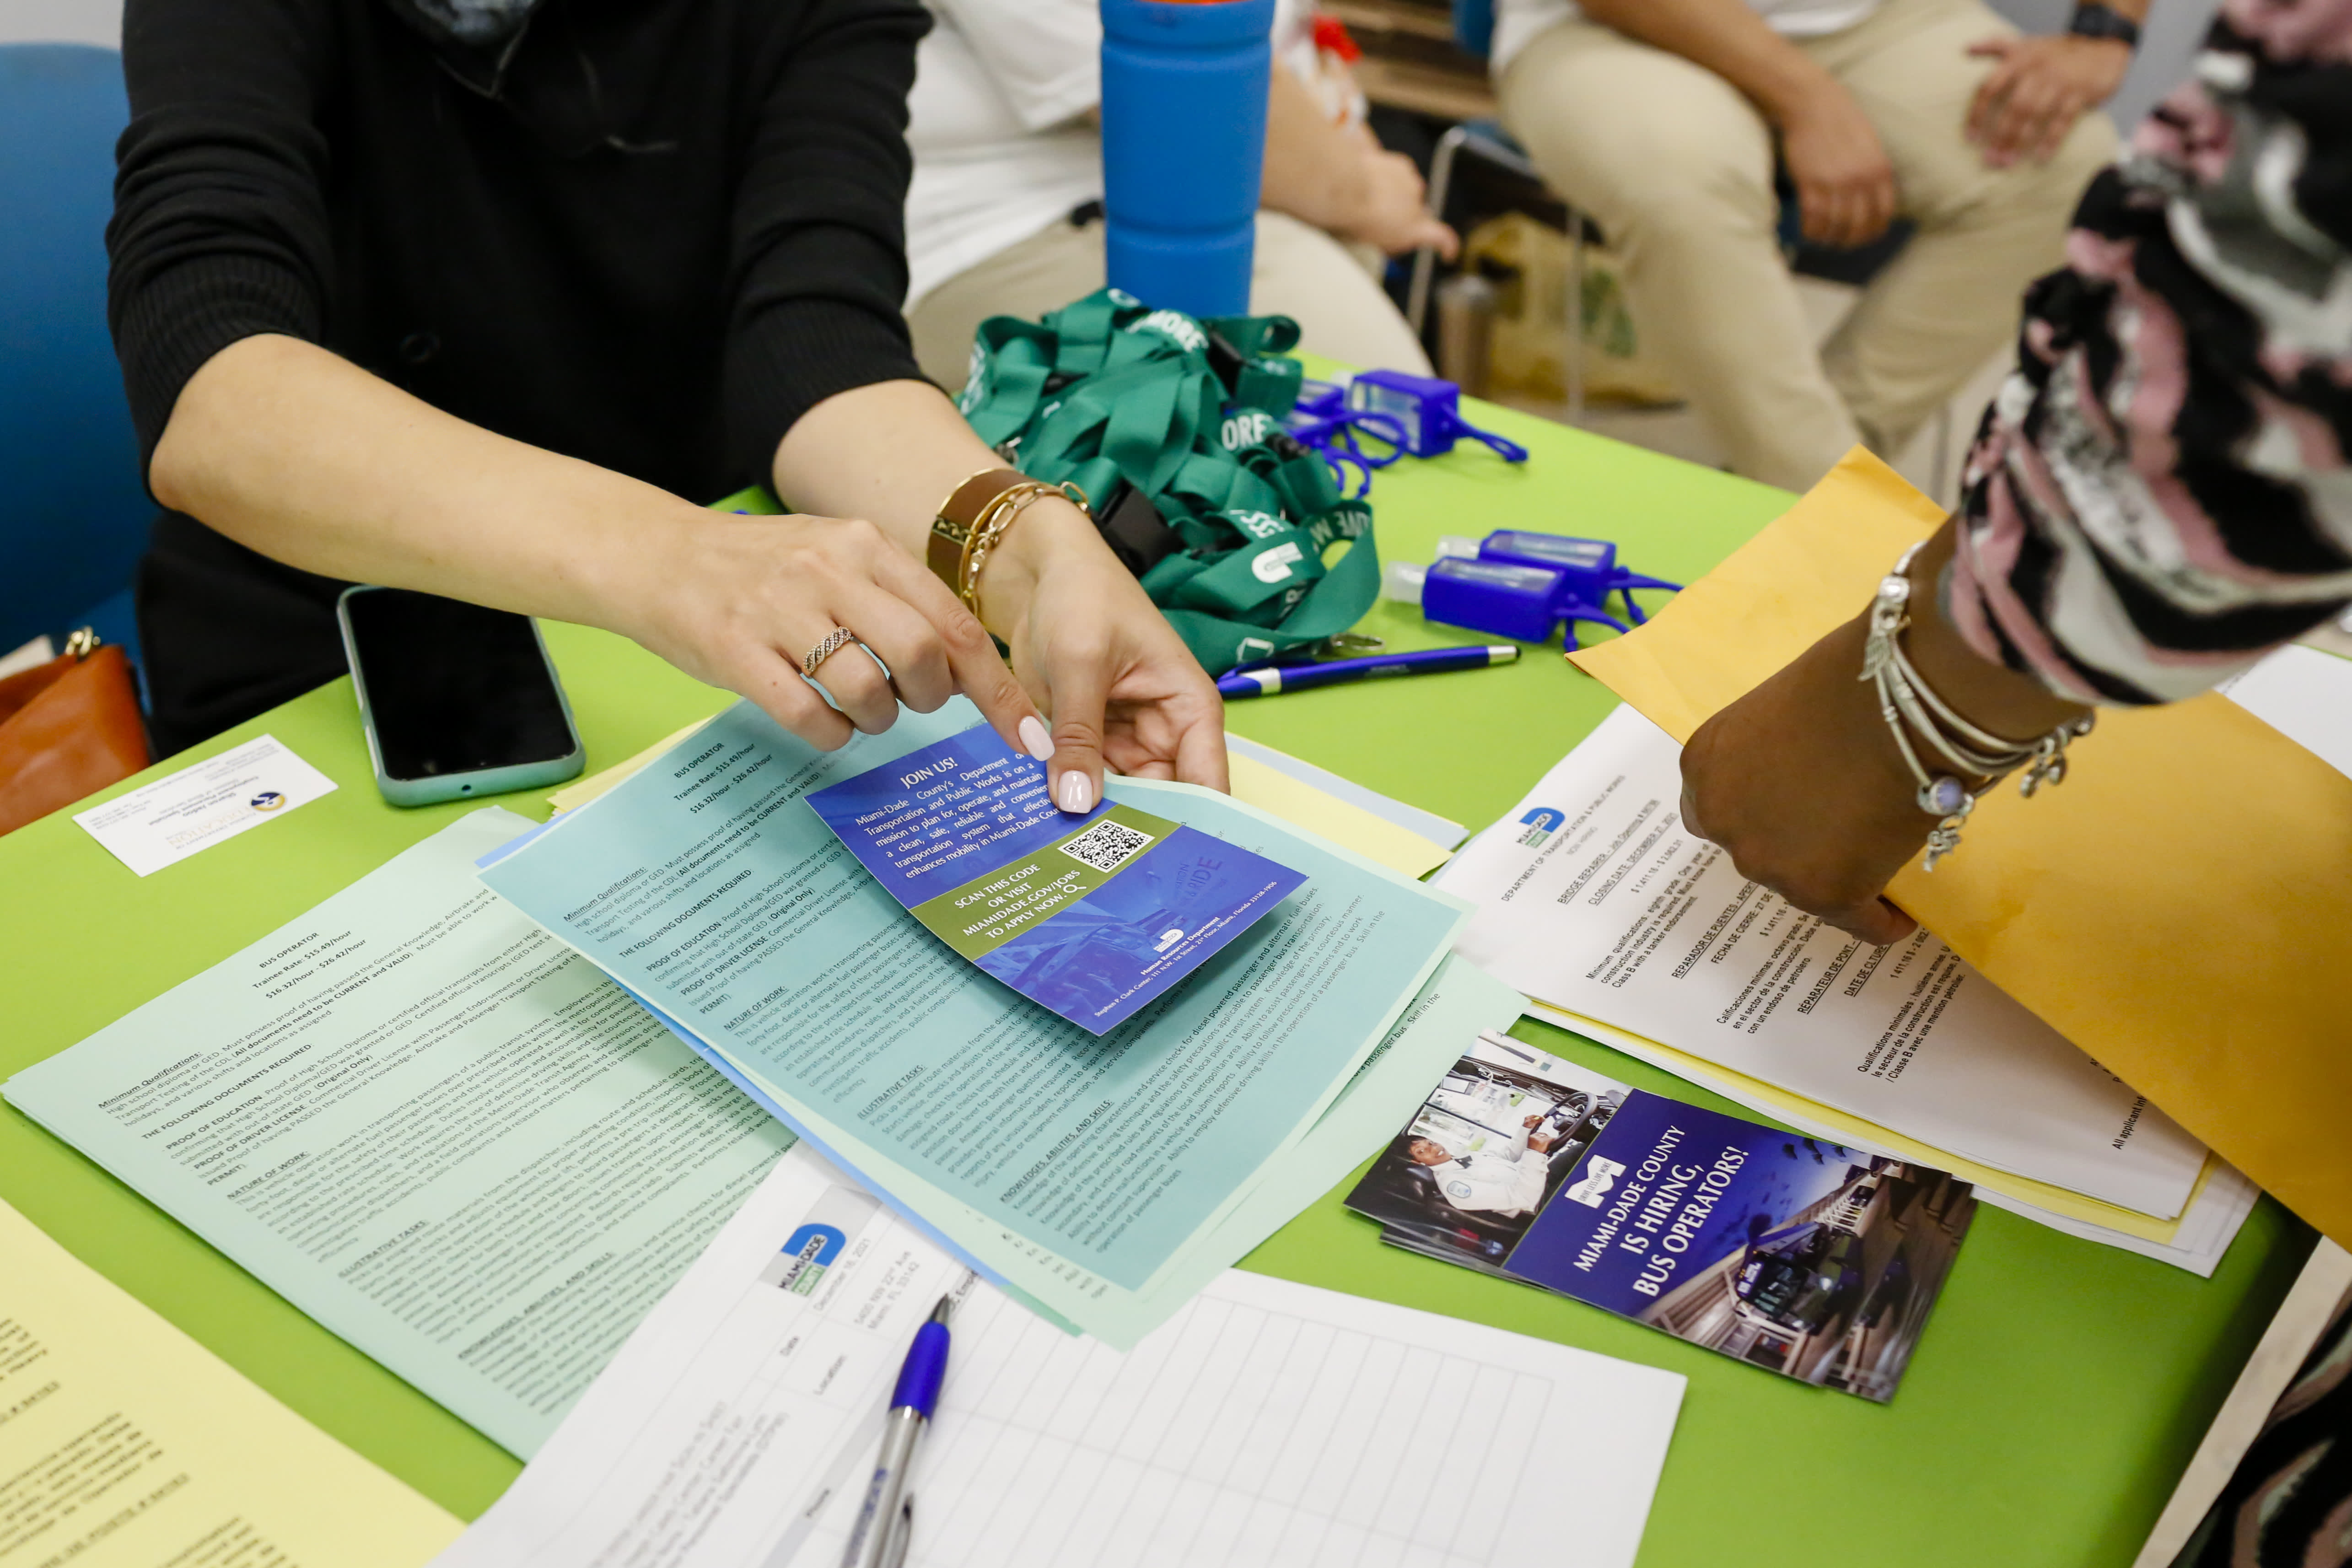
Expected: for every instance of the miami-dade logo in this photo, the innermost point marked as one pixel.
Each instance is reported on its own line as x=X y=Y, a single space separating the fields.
x=1542 y=823
x=1600 y=1175
x=268 y=800
x=803 y=1260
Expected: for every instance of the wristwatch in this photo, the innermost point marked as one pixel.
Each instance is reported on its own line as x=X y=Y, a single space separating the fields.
x=2094 y=20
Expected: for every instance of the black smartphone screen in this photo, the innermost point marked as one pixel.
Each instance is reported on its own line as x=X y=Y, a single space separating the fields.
x=452 y=688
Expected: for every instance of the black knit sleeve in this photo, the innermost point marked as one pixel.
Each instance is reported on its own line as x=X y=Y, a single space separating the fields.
x=819 y=252
x=220 y=229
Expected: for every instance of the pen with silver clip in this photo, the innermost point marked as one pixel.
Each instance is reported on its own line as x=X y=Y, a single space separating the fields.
x=878 y=1540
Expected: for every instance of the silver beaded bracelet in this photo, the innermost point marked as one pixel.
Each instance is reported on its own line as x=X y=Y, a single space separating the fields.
x=1907 y=704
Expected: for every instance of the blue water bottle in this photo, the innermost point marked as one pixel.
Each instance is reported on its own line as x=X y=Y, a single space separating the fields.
x=1183 y=134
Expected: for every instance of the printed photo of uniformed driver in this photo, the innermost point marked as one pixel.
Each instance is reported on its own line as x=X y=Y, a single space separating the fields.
x=1493 y=1140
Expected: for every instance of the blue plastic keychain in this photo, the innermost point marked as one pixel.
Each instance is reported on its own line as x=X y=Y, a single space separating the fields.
x=1427 y=410
x=1401 y=414
x=1519 y=584
x=1322 y=421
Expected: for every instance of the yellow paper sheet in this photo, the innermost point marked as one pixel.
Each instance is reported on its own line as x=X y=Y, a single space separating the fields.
x=2180 y=907
x=124 y=1444
x=1344 y=823
x=1297 y=803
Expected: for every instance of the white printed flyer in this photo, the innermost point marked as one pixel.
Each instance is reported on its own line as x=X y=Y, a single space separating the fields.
x=1594 y=899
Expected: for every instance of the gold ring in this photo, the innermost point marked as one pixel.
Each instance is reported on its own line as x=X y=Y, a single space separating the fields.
x=834 y=641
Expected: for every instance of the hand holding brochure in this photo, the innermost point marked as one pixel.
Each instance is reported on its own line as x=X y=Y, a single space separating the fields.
x=1808 y=1257
x=1092 y=917
x=1095 y=1174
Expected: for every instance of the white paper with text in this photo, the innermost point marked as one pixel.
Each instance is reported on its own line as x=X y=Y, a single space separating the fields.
x=1594 y=897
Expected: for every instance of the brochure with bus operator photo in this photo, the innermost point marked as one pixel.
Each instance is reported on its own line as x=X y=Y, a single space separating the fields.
x=1092 y=916
x=1806 y=1257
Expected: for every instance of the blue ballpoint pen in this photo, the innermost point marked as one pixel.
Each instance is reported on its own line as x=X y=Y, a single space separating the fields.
x=878 y=1540
x=1269 y=680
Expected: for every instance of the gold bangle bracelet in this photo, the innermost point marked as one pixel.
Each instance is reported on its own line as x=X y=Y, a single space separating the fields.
x=995 y=520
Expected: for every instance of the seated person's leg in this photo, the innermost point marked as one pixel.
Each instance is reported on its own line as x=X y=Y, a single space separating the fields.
x=1676 y=168
x=1058 y=264
x=1949 y=300
x=1302 y=272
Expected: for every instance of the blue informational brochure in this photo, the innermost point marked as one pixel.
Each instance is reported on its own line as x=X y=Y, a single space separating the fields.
x=1810 y=1259
x=1090 y=916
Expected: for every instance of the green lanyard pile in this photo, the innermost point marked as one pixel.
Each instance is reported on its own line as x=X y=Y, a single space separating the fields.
x=1107 y=389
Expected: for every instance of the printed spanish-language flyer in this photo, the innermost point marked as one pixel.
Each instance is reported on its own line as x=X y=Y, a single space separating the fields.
x=1091 y=916
x=1806 y=1257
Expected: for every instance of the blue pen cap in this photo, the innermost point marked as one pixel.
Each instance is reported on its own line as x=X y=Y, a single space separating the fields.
x=926 y=1369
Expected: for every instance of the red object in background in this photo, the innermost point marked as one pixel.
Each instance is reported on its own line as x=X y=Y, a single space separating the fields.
x=1332 y=37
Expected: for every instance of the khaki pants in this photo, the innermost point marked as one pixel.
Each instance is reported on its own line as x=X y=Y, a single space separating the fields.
x=1676 y=167
x=1299 y=272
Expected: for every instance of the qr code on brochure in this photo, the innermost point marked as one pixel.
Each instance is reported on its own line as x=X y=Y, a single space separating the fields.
x=1107 y=845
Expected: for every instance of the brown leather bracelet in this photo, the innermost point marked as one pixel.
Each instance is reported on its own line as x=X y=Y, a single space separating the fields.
x=963 y=508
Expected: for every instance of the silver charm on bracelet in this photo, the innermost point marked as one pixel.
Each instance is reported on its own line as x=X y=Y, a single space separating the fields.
x=1910 y=705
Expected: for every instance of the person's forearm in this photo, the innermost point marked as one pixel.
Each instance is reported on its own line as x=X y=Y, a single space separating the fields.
x=1728 y=38
x=1314 y=169
x=304 y=457
x=2010 y=704
x=891 y=453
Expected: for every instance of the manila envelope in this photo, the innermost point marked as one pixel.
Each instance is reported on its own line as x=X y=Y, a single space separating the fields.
x=2180 y=907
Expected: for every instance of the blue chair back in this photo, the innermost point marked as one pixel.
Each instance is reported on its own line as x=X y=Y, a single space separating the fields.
x=74 y=512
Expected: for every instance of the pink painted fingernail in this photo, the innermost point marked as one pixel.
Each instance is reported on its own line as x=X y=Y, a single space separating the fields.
x=1078 y=792
x=1035 y=741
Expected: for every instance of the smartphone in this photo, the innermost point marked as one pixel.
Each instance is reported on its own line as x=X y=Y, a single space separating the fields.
x=456 y=700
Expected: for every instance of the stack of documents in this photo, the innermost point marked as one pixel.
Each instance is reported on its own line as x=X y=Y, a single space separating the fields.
x=2180 y=909
x=443 y=1134
x=1266 y=1424
x=1596 y=900
x=1094 y=1176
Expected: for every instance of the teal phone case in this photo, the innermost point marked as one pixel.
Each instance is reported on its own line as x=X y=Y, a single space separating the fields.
x=460 y=786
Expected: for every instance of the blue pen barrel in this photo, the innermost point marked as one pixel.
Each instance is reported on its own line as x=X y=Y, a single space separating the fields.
x=926 y=1367
x=1183 y=134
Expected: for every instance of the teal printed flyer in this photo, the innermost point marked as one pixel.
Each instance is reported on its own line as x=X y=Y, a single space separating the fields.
x=1092 y=917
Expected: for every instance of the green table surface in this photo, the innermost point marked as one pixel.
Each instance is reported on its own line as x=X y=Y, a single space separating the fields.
x=2058 y=1391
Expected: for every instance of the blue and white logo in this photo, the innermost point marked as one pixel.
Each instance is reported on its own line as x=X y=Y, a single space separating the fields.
x=1542 y=823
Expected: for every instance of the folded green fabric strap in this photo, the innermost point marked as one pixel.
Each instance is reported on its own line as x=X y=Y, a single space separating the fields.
x=1108 y=389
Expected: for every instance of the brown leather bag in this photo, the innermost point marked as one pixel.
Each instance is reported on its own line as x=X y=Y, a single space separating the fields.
x=68 y=727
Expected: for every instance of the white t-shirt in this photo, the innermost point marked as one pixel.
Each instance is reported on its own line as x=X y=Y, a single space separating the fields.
x=1516 y=22
x=1002 y=147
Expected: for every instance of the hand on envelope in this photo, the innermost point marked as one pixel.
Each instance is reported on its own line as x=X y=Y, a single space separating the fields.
x=1800 y=780
x=2180 y=907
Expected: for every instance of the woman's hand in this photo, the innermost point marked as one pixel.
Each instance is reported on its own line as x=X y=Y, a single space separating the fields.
x=1801 y=781
x=739 y=601
x=1095 y=652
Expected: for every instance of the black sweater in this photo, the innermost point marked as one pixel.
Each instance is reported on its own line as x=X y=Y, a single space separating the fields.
x=650 y=233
